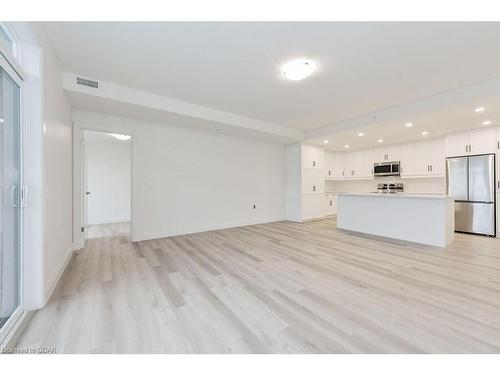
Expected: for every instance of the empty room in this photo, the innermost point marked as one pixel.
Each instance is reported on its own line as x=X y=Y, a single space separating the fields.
x=249 y=187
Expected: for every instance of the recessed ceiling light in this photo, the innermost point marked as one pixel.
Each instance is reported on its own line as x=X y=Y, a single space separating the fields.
x=425 y=132
x=480 y=109
x=361 y=134
x=409 y=124
x=325 y=141
x=380 y=141
x=296 y=70
x=487 y=122
x=1 y=120
x=346 y=146
x=121 y=137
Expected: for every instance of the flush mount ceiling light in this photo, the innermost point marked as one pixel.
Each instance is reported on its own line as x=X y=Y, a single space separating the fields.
x=480 y=109
x=346 y=146
x=425 y=132
x=361 y=134
x=380 y=141
x=121 y=137
x=487 y=122
x=409 y=124
x=296 y=70
x=325 y=141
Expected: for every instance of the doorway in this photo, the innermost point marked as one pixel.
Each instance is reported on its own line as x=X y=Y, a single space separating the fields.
x=106 y=184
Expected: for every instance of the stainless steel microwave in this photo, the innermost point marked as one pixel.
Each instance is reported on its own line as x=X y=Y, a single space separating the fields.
x=390 y=168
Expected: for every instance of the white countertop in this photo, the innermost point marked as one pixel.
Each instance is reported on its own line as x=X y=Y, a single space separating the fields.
x=400 y=195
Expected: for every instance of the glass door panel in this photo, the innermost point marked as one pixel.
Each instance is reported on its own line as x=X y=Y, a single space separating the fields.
x=10 y=202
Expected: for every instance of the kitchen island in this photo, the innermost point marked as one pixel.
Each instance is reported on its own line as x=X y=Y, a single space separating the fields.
x=422 y=218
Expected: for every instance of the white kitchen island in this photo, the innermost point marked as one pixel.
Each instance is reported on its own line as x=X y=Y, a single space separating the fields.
x=423 y=218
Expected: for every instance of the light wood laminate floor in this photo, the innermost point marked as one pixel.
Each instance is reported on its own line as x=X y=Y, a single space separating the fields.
x=274 y=288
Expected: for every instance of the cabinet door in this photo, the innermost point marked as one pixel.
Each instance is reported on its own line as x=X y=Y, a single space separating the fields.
x=313 y=206
x=482 y=142
x=407 y=160
x=329 y=204
x=338 y=165
x=422 y=159
x=348 y=165
x=366 y=164
x=313 y=157
x=318 y=182
x=380 y=155
x=394 y=153
x=355 y=164
x=308 y=181
x=437 y=159
x=456 y=145
x=329 y=164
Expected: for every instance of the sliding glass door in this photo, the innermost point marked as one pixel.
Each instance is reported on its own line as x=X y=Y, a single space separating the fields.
x=10 y=202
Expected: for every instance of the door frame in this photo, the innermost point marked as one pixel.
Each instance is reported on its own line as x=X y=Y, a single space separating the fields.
x=7 y=64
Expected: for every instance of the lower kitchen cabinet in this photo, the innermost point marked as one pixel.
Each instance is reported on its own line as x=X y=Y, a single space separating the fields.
x=330 y=204
x=313 y=206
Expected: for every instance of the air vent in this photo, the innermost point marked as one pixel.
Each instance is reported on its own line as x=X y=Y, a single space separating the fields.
x=87 y=82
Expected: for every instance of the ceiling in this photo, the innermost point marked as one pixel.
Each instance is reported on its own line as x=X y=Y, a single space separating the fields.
x=437 y=123
x=235 y=67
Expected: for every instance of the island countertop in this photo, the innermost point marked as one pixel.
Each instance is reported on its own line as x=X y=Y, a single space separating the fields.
x=400 y=195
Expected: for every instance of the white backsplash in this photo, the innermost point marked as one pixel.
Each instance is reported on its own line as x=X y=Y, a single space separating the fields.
x=434 y=185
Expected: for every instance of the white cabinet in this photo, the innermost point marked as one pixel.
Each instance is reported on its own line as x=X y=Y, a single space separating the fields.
x=334 y=165
x=313 y=157
x=482 y=142
x=471 y=143
x=437 y=159
x=387 y=153
x=305 y=182
x=313 y=206
x=423 y=159
x=407 y=166
x=313 y=181
x=358 y=164
x=330 y=204
x=366 y=164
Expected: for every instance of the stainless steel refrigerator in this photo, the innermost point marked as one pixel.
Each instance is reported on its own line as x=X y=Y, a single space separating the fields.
x=471 y=180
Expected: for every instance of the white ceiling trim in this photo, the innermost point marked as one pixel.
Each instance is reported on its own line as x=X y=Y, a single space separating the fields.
x=407 y=110
x=112 y=91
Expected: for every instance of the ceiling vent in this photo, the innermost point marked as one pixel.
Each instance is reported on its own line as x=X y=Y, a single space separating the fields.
x=87 y=82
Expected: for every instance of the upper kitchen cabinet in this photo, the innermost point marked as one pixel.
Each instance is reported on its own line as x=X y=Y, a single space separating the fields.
x=423 y=159
x=386 y=154
x=471 y=143
x=313 y=157
x=366 y=158
x=358 y=164
x=334 y=165
x=407 y=167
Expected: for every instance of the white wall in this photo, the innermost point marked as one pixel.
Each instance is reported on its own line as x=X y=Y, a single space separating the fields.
x=108 y=179
x=57 y=162
x=436 y=185
x=186 y=180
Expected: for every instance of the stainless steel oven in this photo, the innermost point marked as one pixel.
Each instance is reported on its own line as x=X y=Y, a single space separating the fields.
x=390 y=168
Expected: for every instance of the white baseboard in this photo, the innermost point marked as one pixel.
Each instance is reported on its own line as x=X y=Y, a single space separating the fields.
x=110 y=220
x=178 y=232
